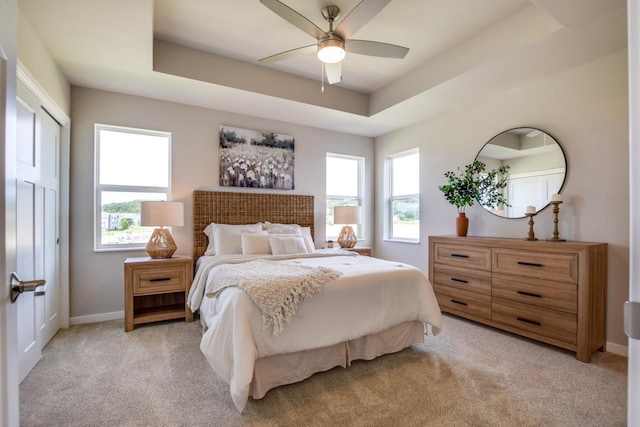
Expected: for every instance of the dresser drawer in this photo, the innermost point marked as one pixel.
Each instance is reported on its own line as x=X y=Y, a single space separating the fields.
x=463 y=256
x=159 y=279
x=457 y=301
x=540 y=293
x=549 y=323
x=463 y=278
x=559 y=267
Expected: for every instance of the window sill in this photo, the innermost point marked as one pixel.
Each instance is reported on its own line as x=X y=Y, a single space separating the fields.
x=415 y=242
x=123 y=249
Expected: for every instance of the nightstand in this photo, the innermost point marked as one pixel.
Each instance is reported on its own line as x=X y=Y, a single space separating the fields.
x=156 y=289
x=362 y=250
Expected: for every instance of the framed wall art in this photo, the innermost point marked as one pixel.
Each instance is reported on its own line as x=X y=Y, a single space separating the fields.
x=256 y=159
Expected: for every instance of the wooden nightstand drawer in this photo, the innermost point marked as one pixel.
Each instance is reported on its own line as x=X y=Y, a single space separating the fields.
x=541 y=265
x=158 y=280
x=463 y=256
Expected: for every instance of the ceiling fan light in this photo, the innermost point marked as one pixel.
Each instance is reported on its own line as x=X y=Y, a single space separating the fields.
x=331 y=51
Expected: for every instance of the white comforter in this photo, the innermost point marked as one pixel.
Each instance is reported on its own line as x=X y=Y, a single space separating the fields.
x=372 y=295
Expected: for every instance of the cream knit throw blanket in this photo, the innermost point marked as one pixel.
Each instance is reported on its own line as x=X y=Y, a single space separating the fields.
x=275 y=287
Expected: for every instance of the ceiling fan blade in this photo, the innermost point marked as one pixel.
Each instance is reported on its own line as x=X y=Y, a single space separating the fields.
x=299 y=51
x=294 y=18
x=334 y=72
x=359 y=16
x=367 y=47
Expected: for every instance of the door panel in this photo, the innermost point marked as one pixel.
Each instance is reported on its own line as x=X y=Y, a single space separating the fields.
x=49 y=183
x=38 y=139
x=28 y=332
x=28 y=174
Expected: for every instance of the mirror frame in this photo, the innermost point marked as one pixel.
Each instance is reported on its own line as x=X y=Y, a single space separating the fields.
x=531 y=129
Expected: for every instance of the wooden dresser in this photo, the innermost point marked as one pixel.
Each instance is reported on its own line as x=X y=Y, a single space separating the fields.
x=555 y=292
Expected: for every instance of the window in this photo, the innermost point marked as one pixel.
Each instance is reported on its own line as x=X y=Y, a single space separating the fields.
x=344 y=188
x=404 y=200
x=132 y=165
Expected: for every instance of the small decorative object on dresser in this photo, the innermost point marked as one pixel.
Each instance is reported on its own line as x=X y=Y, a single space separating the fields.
x=556 y=199
x=552 y=292
x=465 y=187
x=530 y=212
x=156 y=289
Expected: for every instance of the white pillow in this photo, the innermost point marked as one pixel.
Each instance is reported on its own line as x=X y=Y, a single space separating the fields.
x=281 y=228
x=211 y=247
x=292 y=229
x=293 y=244
x=308 y=240
x=225 y=238
x=255 y=243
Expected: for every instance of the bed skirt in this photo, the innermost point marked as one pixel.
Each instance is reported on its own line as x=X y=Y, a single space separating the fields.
x=273 y=371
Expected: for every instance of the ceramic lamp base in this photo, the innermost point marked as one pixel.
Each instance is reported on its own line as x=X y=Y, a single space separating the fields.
x=161 y=244
x=347 y=238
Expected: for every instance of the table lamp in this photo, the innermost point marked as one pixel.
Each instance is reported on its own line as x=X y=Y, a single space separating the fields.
x=161 y=214
x=347 y=215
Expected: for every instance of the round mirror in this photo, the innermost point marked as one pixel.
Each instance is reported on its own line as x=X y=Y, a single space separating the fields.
x=537 y=168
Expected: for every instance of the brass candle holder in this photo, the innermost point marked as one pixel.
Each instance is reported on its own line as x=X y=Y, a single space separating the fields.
x=531 y=235
x=556 y=209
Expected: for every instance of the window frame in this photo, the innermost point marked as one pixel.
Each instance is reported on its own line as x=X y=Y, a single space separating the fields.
x=393 y=198
x=99 y=188
x=360 y=161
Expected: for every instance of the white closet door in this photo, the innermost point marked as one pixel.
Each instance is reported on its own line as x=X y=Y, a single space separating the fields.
x=37 y=208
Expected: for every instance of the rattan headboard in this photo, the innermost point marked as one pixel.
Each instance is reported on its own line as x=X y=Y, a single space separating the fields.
x=223 y=207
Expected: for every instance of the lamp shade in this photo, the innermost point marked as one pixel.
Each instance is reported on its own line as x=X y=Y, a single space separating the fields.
x=346 y=215
x=162 y=214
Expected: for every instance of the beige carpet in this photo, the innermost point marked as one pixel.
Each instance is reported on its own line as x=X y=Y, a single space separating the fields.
x=469 y=375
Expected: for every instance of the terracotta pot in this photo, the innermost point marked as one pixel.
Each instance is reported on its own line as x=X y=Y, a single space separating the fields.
x=462 y=224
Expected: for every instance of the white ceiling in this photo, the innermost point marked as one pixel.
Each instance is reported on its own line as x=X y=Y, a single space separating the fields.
x=460 y=52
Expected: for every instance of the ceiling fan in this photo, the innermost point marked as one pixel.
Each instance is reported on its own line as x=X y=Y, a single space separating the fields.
x=333 y=45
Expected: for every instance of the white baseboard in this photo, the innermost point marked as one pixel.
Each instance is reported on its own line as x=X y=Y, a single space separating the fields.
x=618 y=349
x=94 y=318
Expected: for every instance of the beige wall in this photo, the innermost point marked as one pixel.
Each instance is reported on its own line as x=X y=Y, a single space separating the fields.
x=33 y=55
x=585 y=109
x=97 y=278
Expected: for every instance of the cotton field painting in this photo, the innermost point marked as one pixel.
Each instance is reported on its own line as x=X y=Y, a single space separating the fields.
x=255 y=159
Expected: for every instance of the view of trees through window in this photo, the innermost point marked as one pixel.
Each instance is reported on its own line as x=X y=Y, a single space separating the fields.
x=120 y=218
x=343 y=189
x=405 y=196
x=133 y=166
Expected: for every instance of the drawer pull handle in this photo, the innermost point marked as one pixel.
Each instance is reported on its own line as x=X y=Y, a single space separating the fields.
x=458 y=302
x=453 y=279
x=533 y=322
x=459 y=256
x=161 y=279
x=529 y=294
x=530 y=264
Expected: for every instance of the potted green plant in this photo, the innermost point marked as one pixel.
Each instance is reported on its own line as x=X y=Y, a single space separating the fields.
x=473 y=184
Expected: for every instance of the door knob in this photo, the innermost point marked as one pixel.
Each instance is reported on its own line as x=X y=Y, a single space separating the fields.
x=19 y=286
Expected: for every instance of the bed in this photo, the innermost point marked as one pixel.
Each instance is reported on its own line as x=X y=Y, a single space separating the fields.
x=365 y=307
